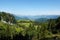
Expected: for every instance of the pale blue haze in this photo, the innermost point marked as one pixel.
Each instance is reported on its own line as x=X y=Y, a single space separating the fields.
x=31 y=7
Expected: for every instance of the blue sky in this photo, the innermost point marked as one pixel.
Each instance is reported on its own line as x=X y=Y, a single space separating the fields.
x=31 y=7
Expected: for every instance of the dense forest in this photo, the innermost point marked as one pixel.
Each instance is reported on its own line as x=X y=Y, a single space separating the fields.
x=12 y=29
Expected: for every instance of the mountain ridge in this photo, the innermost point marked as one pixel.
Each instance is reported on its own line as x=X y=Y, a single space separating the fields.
x=37 y=17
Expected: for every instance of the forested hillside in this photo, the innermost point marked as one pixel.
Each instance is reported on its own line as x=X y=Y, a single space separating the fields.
x=7 y=17
x=12 y=29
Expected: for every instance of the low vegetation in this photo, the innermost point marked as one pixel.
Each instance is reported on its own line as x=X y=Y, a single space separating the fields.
x=28 y=29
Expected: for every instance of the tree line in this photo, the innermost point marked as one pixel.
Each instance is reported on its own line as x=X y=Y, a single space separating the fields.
x=35 y=30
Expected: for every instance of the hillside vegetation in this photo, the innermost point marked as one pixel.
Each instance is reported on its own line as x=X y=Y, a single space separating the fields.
x=12 y=29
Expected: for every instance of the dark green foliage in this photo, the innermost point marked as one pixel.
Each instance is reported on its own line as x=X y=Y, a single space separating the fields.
x=54 y=25
x=0 y=16
x=34 y=31
x=7 y=17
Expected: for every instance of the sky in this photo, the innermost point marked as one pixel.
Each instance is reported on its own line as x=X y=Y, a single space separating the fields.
x=30 y=7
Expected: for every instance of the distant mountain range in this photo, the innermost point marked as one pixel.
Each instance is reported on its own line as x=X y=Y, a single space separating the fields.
x=37 y=17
